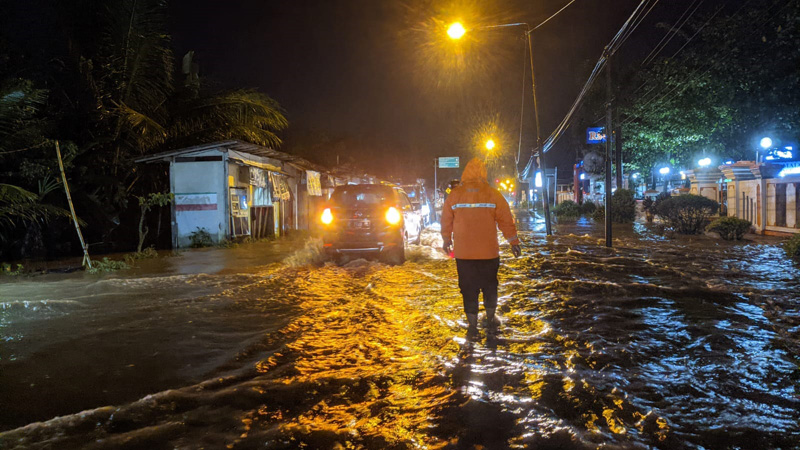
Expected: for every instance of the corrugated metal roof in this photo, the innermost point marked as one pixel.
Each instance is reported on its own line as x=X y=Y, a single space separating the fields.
x=239 y=146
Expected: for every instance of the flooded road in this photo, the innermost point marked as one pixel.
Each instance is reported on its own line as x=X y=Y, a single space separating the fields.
x=690 y=343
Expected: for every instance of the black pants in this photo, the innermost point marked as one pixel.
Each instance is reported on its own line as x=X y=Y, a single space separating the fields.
x=474 y=276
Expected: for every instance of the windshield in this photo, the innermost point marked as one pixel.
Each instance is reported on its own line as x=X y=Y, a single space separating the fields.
x=363 y=195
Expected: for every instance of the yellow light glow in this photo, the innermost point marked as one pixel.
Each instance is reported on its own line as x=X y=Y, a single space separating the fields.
x=456 y=31
x=327 y=216
x=490 y=144
x=393 y=215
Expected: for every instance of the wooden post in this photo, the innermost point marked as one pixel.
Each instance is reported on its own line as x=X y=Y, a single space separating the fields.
x=86 y=260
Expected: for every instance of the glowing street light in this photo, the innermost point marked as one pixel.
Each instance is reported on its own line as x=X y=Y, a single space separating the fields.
x=456 y=31
x=766 y=143
x=705 y=162
x=490 y=144
x=663 y=170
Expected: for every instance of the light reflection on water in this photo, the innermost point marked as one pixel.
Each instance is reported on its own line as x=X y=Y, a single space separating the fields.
x=689 y=343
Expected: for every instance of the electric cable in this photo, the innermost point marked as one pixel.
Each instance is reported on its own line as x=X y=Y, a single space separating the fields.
x=693 y=75
x=635 y=18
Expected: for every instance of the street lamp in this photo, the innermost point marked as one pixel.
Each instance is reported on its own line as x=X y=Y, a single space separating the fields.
x=664 y=171
x=705 y=162
x=490 y=144
x=766 y=143
x=456 y=31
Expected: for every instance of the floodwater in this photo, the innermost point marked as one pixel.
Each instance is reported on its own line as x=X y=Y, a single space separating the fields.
x=690 y=343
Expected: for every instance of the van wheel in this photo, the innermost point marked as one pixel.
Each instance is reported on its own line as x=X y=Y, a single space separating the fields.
x=397 y=255
x=394 y=257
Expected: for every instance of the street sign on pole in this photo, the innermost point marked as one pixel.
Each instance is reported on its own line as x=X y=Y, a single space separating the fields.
x=595 y=135
x=448 y=162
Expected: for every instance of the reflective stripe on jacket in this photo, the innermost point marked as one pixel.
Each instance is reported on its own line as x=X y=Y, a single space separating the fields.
x=472 y=214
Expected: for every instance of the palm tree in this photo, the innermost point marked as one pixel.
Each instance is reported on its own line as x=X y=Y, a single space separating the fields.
x=21 y=130
x=19 y=206
x=142 y=108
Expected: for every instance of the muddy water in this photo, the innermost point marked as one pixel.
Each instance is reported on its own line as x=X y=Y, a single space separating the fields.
x=689 y=343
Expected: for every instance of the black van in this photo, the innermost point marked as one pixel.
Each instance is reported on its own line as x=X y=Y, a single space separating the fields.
x=370 y=220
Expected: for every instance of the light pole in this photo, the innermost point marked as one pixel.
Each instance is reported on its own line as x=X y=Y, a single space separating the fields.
x=456 y=31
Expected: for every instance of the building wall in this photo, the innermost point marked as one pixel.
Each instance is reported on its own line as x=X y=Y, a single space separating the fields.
x=200 y=198
x=747 y=201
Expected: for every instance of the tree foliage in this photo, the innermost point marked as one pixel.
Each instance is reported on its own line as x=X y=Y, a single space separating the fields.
x=113 y=94
x=734 y=81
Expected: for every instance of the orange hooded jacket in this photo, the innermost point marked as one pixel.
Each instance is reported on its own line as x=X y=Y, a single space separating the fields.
x=473 y=212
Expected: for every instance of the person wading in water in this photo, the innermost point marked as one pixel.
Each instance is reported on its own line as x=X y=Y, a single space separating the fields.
x=471 y=216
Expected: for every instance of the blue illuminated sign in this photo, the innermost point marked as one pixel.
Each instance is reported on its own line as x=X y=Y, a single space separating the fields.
x=595 y=135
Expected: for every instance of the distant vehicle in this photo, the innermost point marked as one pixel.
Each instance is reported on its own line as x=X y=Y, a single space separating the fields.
x=421 y=202
x=370 y=220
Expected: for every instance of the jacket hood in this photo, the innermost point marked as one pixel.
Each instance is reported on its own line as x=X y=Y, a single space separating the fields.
x=475 y=172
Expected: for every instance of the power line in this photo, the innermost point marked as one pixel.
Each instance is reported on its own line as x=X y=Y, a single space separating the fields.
x=613 y=46
x=636 y=25
x=556 y=13
x=738 y=11
x=714 y=63
x=672 y=32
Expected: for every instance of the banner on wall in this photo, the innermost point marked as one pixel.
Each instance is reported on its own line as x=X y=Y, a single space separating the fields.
x=314 y=183
x=257 y=177
x=204 y=201
x=280 y=189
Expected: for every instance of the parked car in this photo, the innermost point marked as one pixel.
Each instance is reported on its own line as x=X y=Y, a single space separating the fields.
x=370 y=220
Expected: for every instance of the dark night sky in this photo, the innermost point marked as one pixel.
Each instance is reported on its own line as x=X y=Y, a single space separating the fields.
x=356 y=79
x=349 y=68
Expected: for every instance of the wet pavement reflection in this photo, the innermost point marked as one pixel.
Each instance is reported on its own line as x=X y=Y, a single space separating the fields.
x=687 y=343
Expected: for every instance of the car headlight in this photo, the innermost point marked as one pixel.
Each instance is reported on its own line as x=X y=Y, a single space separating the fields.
x=393 y=215
x=327 y=216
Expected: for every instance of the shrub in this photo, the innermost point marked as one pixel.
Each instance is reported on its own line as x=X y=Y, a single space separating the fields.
x=650 y=204
x=200 y=238
x=567 y=210
x=686 y=214
x=587 y=208
x=792 y=248
x=147 y=253
x=623 y=208
x=6 y=269
x=107 y=265
x=729 y=228
x=599 y=214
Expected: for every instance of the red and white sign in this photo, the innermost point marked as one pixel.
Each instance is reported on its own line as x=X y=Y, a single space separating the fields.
x=203 y=201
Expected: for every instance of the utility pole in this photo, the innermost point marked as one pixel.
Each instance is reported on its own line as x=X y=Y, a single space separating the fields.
x=545 y=188
x=618 y=155
x=609 y=136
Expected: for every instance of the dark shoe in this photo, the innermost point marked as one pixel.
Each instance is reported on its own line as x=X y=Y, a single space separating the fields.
x=492 y=321
x=472 y=320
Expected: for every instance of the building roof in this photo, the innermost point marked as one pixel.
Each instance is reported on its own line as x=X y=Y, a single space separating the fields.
x=239 y=146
